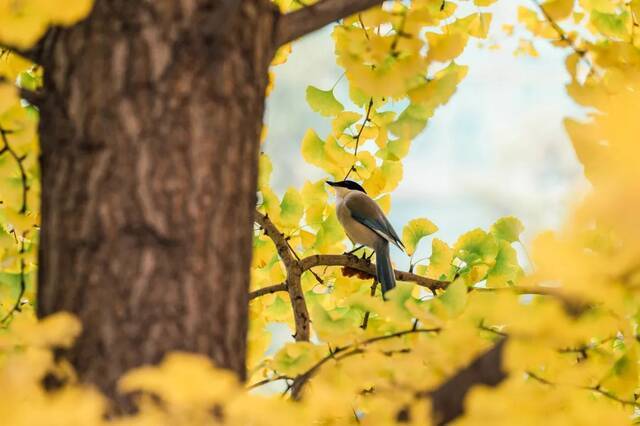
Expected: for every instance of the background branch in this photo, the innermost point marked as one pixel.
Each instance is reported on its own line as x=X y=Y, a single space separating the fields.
x=448 y=399
x=597 y=389
x=308 y=19
x=572 y=306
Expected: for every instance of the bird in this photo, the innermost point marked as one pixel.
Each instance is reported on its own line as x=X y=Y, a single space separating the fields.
x=365 y=223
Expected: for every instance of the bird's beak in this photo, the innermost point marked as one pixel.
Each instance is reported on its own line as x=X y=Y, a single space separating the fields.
x=331 y=183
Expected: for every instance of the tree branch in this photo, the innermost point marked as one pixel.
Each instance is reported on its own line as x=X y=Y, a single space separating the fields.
x=308 y=19
x=268 y=290
x=294 y=272
x=364 y=265
x=277 y=237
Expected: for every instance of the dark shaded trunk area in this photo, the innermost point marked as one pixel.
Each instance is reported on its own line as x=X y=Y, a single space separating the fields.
x=150 y=141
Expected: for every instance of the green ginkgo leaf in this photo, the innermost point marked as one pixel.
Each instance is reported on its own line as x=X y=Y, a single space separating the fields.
x=27 y=81
x=507 y=228
x=397 y=299
x=278 y=310
x=416 y=230
x=395 y=150
x=506 y=270
x=454 y=298
x=410 y=122
x=330 y=233
x=296 y=358
x=291 y=208
x=334 y=325
x=612 y=25
x=323 y=102
x=476 y=247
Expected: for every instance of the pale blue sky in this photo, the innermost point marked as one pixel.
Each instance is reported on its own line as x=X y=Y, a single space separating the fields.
x=497 y=148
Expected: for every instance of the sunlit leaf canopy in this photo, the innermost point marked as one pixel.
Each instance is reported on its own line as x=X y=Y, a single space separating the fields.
x=572 y=349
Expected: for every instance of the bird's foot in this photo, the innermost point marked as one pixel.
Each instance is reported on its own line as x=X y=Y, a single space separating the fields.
x=352 y=252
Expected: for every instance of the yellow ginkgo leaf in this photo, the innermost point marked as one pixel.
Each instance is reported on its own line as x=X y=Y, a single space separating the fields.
x=282 y=54
x=483 y=3
x=416 y=230
x=445 y=47
x=558 y=9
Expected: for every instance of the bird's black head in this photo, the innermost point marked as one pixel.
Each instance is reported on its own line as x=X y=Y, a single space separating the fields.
x=349 y=184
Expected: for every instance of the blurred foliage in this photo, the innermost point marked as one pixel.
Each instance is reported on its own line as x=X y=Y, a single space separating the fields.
x=566 y=365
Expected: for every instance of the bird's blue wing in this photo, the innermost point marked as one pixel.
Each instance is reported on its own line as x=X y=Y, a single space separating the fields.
x=392 y=233
x=380 y=226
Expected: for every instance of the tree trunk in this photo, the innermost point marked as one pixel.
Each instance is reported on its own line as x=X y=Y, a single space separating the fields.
x=150 y=135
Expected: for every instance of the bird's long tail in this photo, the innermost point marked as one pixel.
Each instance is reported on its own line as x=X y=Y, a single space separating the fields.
x=384 y=269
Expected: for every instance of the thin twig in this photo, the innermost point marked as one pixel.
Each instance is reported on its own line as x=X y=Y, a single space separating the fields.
x=268 y=290
x=400 y=32
x=23 y=174
x=493 y=330
x=365 y=320
x=583 y=350
x=17 y=307
x=317 y=277
x=563 y=35
x=348 y=350
x=364 y=28
x=355 y=152
x=267 y=381
x=596 y=389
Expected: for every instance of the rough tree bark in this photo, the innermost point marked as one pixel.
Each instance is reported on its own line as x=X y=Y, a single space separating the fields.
x=150 y=141
x=150 y=125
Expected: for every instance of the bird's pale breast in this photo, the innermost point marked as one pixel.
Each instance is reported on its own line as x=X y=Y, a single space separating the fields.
x=357 y=232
